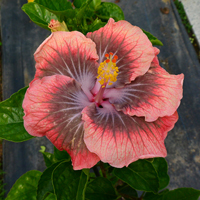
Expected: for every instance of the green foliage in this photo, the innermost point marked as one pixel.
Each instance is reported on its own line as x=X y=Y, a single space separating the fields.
x=58 y=5
x=25 y=187
x=50 y=158
x=93 y=4
x=39 y=14
x=69 y=184
x=60 y=181
x=50 y=196
x=153 y=39
x=87 y=15
x=140 y=175
x=109 y=10
x=100 y=189
x=45 y=185
x=127 y=191
x=161 y=168
x=11 y=115
x=180 y=193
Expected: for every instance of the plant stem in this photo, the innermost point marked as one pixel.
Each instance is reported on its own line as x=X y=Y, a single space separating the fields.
x=103 y=169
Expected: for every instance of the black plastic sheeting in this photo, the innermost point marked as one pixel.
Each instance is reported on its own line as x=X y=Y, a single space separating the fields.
x=20 y=39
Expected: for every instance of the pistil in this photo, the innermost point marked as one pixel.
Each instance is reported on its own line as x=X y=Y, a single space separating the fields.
x=107 y=75
x=99 y=97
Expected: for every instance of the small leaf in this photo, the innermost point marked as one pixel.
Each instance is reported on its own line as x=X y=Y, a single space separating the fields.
x=69 y=184
x=182 y=194
x=39 y=14
x=58 y=5
x=11 y=115
x=160 y=165
x=153 y=39
x=49 y=158
x=140 y=175
x=109 y=10
x=25 y=187
x=100 y=189
x=45 y=183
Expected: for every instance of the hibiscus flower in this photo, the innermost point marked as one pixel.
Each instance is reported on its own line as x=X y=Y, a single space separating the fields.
x=102 y=96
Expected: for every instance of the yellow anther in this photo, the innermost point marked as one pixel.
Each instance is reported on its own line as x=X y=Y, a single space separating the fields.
x=107 y=71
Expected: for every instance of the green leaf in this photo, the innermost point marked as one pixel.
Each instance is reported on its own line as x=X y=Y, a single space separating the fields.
x=160 y=165
x=182 y=194
x=95 y=25
x=61 y=155
x=61 y=8
x=153 y=39
x=11 y=115
x=127 y=191
x=68 y=183
x=50 y=158
x=85 y=10
x=50 y=197
x=25 y=187
x=152 y=196
x=79 y=3
x=65 y=15
x=100 y=189
x=58 y=5
x=45 y=185
x=39 y=14
x=140 y=175
x=94 y=4
x=109 y=10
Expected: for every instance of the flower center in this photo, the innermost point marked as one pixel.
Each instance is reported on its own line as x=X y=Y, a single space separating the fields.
x=107 y=74
x=107 y=71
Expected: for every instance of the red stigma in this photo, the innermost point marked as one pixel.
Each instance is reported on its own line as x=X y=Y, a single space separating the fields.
x=111 y=53
x=107 y=61
x=114 y=60
x=115 y=57
x=106 y=55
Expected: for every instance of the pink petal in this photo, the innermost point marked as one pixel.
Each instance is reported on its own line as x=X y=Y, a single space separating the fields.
x=120 y=139
x=155 y=94
x=155 y=61
x=70 y=54
x=129 y=43
x=52 y=107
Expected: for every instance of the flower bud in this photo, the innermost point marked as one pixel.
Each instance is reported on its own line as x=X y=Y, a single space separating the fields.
x=55 y=25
